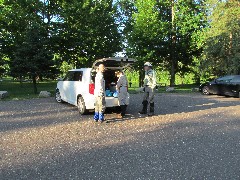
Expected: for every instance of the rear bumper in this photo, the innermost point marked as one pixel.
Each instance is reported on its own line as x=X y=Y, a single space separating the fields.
x=90 y=100
x=111 y=101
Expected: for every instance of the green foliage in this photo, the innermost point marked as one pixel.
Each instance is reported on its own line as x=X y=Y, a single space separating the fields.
x=65 y=67
x=4 y=68
x=88 y=31
x=187 y=39
x=77 y=31
x=26 y=39
x=163 y=78
x=222 y=46
x=167 y=34
x=31 y=56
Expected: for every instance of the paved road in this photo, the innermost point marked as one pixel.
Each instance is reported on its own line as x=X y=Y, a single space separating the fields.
x=190 y=137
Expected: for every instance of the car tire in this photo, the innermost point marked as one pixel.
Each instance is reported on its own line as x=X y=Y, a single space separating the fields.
x=239 y=94
x=205 y=90
x=81 y=106
x=58 y=96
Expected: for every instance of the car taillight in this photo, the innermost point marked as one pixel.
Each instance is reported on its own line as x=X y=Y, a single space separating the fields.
x=91 y=88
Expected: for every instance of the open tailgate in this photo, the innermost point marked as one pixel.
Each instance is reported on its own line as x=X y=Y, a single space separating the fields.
x=114 y=62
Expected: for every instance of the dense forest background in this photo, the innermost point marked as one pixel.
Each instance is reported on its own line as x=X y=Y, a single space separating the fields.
x=45 y=38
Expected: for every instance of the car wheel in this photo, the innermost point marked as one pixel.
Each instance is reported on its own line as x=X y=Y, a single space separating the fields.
x=81 y=106
x=205 y=90
x=239 y=94
x=58 y=96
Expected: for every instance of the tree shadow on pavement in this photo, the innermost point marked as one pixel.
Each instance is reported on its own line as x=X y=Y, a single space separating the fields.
x=193 y=148
x=166 y=103
x=35 y=113
x=43 y=112
x=127 y=117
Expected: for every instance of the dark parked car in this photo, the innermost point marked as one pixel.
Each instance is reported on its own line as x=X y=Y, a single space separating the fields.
x=226 y=85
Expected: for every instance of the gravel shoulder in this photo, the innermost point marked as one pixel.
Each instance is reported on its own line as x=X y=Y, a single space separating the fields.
x=190 y=137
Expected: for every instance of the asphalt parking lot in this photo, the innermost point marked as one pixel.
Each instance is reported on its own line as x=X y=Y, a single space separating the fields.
x=190 y=137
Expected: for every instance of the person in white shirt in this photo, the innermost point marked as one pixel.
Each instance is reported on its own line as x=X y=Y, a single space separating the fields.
x=99 y=93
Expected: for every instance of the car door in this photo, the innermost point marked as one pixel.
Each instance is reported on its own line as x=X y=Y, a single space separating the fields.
x=75 y=85
x=66 y=86
x=213 y=87
x=233 y=88
x=224 y=88
x=222 y=84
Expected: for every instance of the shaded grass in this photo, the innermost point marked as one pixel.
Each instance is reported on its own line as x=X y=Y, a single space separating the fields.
x=24 y=90
x=185 y=88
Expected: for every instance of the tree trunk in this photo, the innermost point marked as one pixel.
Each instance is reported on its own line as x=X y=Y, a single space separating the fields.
x=172 y=78
x=140 y=78
x=20 y=80
x=173 y=48
x=41 y=78
x=34 y=84
x=229 y=58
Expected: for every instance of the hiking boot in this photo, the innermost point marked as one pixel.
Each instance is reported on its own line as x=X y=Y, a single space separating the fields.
x=96 y=116
x=151 y=109
x=144 y=109
x=101 y=117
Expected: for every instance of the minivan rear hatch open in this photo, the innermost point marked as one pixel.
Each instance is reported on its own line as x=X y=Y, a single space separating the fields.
x=114 y=62
x=112 y=65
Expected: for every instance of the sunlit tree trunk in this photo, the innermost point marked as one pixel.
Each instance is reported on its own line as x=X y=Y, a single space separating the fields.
x=141 y=78
x=229 y=63
x=173 y=47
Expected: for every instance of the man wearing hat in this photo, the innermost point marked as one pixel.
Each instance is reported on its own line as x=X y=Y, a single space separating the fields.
x=149 y=89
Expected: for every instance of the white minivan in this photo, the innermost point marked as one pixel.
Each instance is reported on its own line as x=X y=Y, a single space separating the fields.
x=77 y=87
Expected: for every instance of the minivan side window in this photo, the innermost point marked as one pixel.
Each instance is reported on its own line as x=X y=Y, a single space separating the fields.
x=78 y=76
x=73 y=76
x=69 y=76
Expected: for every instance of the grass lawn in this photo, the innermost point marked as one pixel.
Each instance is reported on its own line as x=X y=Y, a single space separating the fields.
x=24 y=90
x=186 y=88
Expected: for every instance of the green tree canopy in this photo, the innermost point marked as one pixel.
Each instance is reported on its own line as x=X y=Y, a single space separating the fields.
x=88 y=31
x=164 y=32
x=222 y=45
x=34 y=31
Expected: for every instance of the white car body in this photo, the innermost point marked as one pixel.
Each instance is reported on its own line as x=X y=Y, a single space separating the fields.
x=77 y=89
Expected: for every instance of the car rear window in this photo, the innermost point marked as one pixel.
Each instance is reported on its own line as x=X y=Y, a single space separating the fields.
x=224 y=79
x=236 y=79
